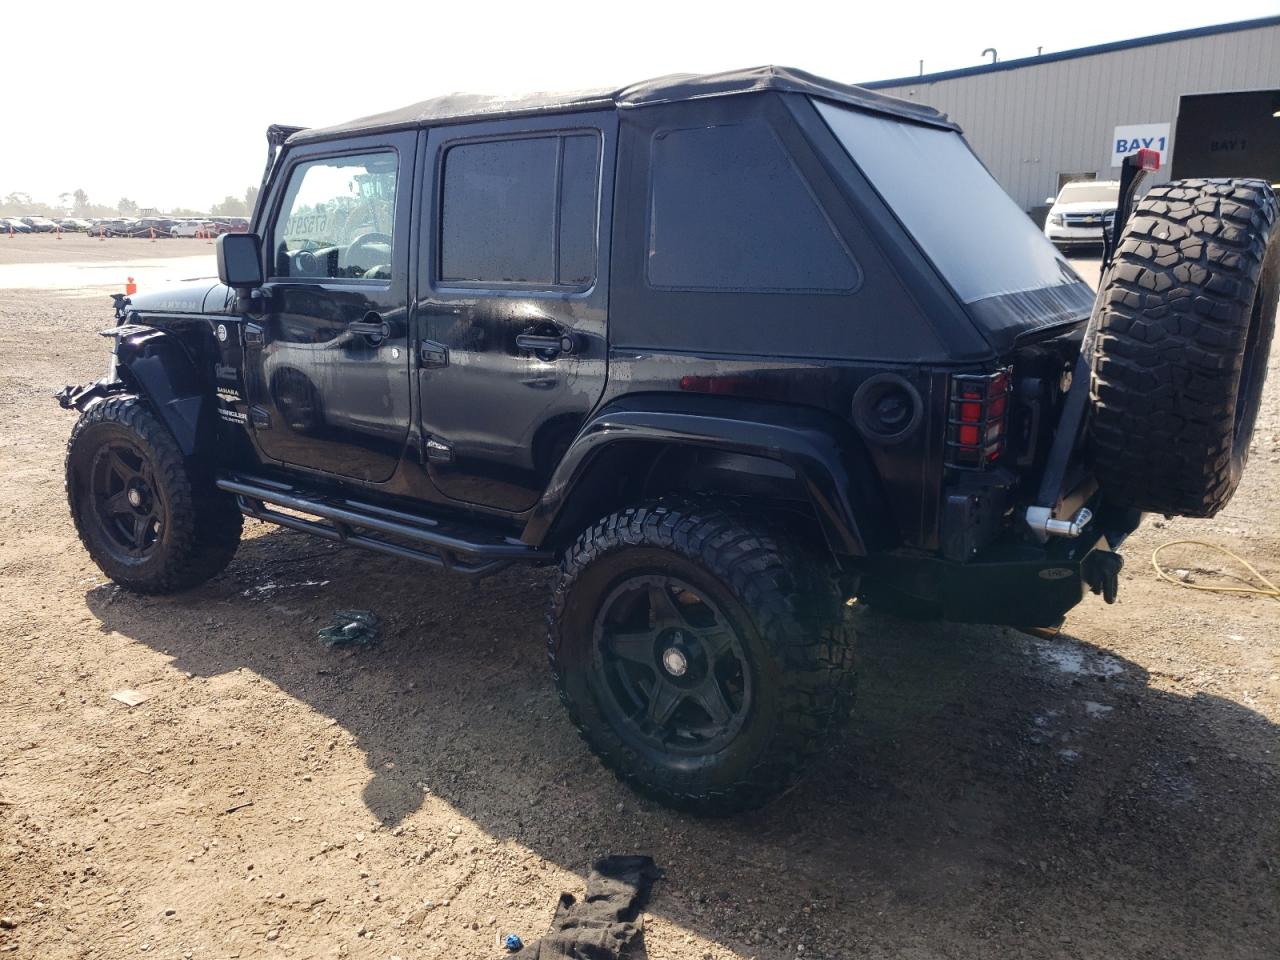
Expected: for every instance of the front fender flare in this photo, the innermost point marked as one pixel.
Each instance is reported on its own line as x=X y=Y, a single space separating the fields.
x=156 y=364
x=825 y=454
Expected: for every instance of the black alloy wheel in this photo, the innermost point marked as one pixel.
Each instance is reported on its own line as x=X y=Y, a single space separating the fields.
x=674 y=672
x=124 y=500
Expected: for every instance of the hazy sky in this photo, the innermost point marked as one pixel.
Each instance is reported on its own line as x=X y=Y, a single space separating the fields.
x=166 y=103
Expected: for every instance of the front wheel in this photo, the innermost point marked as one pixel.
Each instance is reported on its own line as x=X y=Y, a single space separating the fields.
x=149 y=519
x=704 y=659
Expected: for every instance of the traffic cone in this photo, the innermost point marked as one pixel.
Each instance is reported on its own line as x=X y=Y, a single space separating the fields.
x=153 y=234
x=59 y=236
x=130 y=286
x=102 y=233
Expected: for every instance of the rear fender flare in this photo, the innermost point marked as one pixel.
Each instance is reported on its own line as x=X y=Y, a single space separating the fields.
x=825 y=455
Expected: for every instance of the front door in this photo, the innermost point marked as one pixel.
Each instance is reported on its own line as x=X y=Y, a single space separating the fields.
x=328 y=364
x=513 y=296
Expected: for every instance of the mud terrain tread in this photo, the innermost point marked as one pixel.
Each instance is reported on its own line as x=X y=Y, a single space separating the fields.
x=1171 y=344
x=795 y=606
x=204 y=524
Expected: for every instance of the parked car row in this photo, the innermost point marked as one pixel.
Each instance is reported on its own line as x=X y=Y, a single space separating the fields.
x=168 y=226
x=29 y=225
x=127 y=226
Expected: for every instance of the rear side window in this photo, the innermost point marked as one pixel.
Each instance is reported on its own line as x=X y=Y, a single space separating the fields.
x=728 y=210
x=521 y=211
x=966 y=224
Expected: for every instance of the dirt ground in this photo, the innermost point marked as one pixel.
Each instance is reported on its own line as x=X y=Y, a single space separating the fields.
x=1112 y=793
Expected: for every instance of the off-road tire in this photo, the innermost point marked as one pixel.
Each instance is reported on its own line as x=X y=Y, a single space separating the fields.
x=202 y=525
x=1187 y=318
x=793 y=622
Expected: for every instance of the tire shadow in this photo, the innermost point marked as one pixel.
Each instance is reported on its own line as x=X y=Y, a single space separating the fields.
x=996 y=794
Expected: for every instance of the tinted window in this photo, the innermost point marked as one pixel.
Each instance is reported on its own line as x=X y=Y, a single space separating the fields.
x=729 y=211
x=579 y=176
x=498 y=220
x=338 y=218
x=510 y=206
x=946 y=198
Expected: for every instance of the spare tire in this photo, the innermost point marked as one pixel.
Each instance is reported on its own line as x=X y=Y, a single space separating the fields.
x=1186 y=320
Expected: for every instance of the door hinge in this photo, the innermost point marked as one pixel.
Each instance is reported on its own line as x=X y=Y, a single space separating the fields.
x=438 y=451
x=432 y=354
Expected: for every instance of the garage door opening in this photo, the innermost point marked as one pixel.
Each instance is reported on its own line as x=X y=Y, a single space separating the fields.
x=1228 y=135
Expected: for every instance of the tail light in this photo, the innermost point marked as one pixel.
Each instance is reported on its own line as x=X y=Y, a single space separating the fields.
x=978 y=411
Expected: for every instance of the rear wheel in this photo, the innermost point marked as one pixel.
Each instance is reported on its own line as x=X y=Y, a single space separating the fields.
x=149 y=518
x=704 y=659
x=1188 y=315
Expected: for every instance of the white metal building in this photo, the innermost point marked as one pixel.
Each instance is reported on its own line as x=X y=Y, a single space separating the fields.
x=1041 y=121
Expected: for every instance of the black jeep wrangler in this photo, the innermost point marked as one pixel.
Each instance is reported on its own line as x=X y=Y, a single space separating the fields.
x=734 y=351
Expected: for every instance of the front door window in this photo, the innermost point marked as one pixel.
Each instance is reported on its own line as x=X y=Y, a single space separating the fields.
x=337 y=218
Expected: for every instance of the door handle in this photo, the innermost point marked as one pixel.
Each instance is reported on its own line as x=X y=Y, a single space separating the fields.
x=372 y=326
x=546 y=346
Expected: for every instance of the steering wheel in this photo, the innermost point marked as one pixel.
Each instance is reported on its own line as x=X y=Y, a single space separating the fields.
x=359 y=243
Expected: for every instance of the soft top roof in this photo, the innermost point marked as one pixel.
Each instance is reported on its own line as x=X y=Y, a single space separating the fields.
x=457 y=107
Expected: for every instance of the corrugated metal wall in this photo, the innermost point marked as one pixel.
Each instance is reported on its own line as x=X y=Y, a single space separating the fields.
x=1031 y=123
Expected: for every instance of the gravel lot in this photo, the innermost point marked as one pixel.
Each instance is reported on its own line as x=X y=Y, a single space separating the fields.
x=1109 y=793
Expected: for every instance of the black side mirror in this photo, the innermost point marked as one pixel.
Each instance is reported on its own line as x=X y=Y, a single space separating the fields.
x=240 y=261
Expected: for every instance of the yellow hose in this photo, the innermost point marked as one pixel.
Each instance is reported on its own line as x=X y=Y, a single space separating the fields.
x=1270 y=590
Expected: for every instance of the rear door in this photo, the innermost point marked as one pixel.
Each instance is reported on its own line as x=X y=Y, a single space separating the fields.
x=328 y=365
x=511 y=315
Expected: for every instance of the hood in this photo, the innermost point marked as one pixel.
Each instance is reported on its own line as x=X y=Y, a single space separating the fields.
x=1086 y=206
x=190 y=296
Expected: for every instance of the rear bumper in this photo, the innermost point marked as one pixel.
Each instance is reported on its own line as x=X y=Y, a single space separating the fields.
x=1012 y=582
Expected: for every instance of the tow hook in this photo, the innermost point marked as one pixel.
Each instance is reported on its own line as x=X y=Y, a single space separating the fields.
x=1043 y=525
x=1101 y=571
